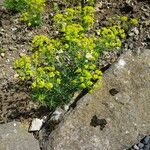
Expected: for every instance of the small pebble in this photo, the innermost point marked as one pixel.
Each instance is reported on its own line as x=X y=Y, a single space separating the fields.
x=56 y=32
x=2 y=30
x=131 y=46
x=146 y=140
x=51 y=14
x=21 y=54
x=135 y=30
x=36 y=125
x=2 y=55
x=13 y=28
x=143 y=18
x=140 y=145
x=136 y=147
x=16 y=76
x=57 y=115
x=131 y=34
x=66 y=107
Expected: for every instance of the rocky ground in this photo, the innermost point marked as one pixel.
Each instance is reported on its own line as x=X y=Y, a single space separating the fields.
x=15 y=102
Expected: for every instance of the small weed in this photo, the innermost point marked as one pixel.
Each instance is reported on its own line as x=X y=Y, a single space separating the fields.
x=15 y=5
x=33 y=12
x=2 y=50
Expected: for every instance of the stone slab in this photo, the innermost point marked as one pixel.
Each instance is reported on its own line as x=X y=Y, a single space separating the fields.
x=115 y=116
x=14 y=137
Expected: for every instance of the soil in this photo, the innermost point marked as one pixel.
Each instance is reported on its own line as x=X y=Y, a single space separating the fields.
x=15 y=38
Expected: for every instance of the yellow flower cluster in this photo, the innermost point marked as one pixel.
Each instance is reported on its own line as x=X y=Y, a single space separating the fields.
x=124 y=22
x=33 y=13
x=46 y=77
x=60 y=67
x=72 y=31
x=62 y=20
x=87 y=76
x=110 y=36
x=39 y=65
x=40 y=41
x=134 y=21
x=24 y=65
x=43 y=77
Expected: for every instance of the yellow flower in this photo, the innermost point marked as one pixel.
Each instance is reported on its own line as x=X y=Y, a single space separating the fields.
x=83 y=86
x=95 y=76
x=33 y=84
x=81 y=79
x=34 y=15
x=98 y=72
x=29 y=24
x=86 y=66
x=57 y=73
x=78 y=70
x=87 y=74
x=41 y=97
x=99 y=77
x=134 y=21
x=79 y=56
x=124 y=18
x=41 y=84
x=66 y=46
x=51 y=74
x=89 y=83
x=49 y=86
x=58 y=81
x=52 y=68
x=123 y=35
x=74 y=82
x=92 y=67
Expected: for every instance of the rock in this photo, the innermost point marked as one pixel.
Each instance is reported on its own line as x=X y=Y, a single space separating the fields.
x=140 y=145
x=131 y=46
x=2 y=55
x=146 y=140
x=13 y=28
x=136 y=147
x=119 y=123
x=16 y=76
x=98 y=6
x=131 y=34
x=147 y=23
x=22 y=54
x=2 y=30
x=57 y=32
x=36 y=125
x=57 y=115
x=135 y=30
x=14 y=137
x=66 y=107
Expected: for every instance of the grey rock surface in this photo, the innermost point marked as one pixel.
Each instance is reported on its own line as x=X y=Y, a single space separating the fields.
x=14 y=137
x=115 y=116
